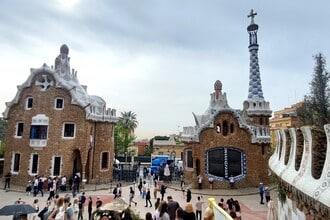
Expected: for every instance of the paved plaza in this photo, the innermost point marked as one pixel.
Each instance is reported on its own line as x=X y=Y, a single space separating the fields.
x=247 y=197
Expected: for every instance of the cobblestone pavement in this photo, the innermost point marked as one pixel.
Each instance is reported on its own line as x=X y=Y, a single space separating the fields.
x=247 y=197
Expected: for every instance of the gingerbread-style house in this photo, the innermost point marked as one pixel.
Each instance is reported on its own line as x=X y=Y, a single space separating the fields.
x=56 y=128
x=228 y=142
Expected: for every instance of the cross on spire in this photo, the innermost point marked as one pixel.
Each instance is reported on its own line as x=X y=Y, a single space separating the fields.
x=252 y=15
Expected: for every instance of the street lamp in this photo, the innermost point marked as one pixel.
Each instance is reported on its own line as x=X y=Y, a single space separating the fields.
x=125 y=156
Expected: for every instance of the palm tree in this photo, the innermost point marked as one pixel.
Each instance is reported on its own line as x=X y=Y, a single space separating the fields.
x=128 y=120
x=124 y=131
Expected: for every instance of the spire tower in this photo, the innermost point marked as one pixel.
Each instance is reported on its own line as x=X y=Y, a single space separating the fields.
x=255 y=105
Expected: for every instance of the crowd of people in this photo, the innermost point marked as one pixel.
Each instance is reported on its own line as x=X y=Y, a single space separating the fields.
x=52 y=185
x=164 y=207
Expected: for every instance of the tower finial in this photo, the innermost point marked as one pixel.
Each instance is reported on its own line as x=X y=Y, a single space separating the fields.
x=252 y=15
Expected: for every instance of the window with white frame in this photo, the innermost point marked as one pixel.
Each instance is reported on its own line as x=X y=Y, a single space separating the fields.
x=16 y=162
x=69 y=130
x=39 y=127
x=104 y=160
x=28 y=103
x=59 y=103
x=19 y=129
x=34 y=164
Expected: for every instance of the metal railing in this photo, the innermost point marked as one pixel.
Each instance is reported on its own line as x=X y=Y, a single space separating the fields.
x=218 y=213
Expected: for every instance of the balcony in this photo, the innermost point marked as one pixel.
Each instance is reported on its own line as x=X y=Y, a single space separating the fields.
x=38 y=144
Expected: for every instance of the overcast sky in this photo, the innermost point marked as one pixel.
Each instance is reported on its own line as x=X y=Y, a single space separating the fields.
x=160 y=59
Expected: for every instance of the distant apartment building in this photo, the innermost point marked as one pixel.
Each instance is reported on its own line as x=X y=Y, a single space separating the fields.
x=285 y=118
x=168 y=147
x=140 y=147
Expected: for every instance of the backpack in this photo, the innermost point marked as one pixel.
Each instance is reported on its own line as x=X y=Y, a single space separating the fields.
x=114 y=191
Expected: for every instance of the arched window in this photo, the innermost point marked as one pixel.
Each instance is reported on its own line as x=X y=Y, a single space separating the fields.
x=225 y=128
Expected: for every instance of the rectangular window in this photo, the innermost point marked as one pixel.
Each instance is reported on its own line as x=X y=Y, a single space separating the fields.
x=59 y=103
x=38 y=132
x=29 y=103
x=19 y=129
x=105 y=160
x=57 y=166
x=190 y=163
x=17 y=159
x=69 y=130
x=34 y=165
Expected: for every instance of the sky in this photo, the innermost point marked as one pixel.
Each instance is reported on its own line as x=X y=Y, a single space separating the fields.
x=160 y=59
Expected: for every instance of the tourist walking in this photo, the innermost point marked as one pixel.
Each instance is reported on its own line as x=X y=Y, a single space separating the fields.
x=98 y=202
x=163 y=215
x=131 y=196
x=188 y=195
x=40 y=186
x=172 y=206
x=36 y=207
x=211 y=181
x=232 y=182
x=148 y=197
x=7 y=181
x=200 y=181
x=148 y=216
x=267 y=194
x=144 y=189
x=157 y=203
x=90 y=208
x=35 y=186
x=28 y=188
x=162 y=191
x=80 y=206
x=189 y=212
x=63 y=184
x=261 y=193
x=199 y=207
x=237 y=210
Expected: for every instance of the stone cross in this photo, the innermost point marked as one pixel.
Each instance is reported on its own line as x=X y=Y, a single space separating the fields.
x=252 y=16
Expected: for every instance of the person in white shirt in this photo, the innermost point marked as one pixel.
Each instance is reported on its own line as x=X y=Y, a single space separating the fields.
x=63 y=183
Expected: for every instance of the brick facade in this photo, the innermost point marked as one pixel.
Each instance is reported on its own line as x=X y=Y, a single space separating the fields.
x=257 y=155
x=81 y=153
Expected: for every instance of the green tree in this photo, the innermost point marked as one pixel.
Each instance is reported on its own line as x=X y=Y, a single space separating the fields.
x=150 y=148
x=128 y=120
x=124 y=132
x=316 y=107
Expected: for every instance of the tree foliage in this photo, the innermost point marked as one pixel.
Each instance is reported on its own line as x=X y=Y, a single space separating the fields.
x=316 y=107
x=150 y=148
x=124 y=132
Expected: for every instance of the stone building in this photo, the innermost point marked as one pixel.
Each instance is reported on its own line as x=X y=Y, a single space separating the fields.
x=168 y=147
x=228 y=142
x=285 y=118
x=55 y=128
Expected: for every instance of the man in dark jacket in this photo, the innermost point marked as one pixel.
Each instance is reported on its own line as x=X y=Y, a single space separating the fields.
x=172 y=206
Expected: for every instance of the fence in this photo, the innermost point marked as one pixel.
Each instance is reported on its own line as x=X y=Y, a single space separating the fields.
x=219 y=213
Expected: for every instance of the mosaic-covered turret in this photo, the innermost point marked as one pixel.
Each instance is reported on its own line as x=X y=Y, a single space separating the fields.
x=255 y=106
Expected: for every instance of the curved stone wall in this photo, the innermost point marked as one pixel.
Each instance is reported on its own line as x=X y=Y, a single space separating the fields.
x=302 y=163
